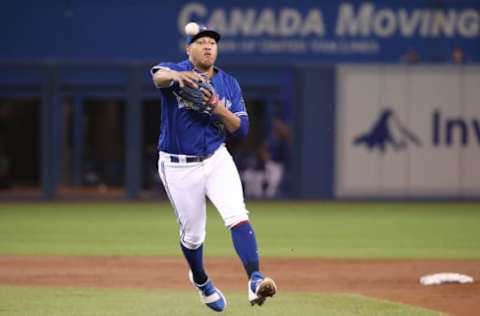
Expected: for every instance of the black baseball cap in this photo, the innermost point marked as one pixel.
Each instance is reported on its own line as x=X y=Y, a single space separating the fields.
x=204 y=31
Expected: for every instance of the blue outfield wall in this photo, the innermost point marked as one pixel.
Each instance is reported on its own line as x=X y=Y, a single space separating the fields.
x=308 y=92
x=289 y=50
x=253 y=31
x=360 y=131
x=314 y=132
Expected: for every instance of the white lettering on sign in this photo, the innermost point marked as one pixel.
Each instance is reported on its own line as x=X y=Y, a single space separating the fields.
x=363 y=20
x=236 y=21
x=367 y=21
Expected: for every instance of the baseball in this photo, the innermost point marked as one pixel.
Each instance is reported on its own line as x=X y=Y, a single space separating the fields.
x=192 y=28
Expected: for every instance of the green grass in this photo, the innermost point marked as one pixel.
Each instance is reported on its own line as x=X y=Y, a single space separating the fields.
x=361 y=230
x=19 y=301
x=365 y=230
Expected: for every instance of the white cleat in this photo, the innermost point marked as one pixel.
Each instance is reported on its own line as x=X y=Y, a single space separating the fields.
x=210 y=295
x=259 y=288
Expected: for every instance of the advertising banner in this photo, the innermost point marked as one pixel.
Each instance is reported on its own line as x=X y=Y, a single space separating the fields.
x=408 y=131
x=381 y=31
x=388 y=31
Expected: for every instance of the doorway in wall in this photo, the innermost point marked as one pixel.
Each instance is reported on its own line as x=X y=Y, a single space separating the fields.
x=263 y=157
x=20 y=146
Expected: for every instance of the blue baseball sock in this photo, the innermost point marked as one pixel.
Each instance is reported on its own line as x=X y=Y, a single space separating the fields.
x=245 y=244
x=195 y=261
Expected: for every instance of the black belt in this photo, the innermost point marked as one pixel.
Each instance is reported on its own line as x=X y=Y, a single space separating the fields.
x=189 y=159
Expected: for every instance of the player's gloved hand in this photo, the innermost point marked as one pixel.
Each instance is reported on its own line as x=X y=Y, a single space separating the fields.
x=203 y=98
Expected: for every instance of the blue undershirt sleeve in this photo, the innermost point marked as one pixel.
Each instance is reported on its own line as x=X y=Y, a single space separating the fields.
x=242 y=131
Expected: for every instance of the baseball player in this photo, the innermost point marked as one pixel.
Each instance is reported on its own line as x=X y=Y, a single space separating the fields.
x=201 y=104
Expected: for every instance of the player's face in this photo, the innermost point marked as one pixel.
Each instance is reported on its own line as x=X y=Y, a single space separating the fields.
x=203 y=52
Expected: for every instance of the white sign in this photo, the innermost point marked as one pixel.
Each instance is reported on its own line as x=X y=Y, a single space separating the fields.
x=408 y=131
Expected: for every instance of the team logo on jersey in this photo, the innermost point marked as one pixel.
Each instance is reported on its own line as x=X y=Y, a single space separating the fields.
x=387 y=131
x=227 y=102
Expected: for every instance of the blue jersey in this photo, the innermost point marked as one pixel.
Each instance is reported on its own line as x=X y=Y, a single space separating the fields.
x=186 y=132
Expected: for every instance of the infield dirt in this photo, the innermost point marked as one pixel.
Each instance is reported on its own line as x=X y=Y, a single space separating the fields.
x=393 y=280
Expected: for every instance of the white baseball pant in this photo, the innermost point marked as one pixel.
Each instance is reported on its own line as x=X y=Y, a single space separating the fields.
x=188 y=183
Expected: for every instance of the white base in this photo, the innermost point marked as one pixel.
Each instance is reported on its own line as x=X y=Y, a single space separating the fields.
x=439 y=278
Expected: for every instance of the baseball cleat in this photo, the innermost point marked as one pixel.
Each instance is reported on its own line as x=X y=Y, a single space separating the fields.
x=259 y=288
x=210 y=295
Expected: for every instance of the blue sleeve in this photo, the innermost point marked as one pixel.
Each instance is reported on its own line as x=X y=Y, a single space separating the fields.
x=242 y=131
x=238 y=103
x=157 y=67
x=239 y=109
x=171 y=66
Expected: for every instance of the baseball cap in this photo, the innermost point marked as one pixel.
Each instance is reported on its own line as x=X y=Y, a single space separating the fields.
x=203 y=31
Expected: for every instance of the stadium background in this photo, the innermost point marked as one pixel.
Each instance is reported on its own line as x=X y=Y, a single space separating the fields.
x=79 y=114
x=355 y=101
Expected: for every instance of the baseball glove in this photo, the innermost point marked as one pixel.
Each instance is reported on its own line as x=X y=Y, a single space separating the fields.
x=193 y=98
